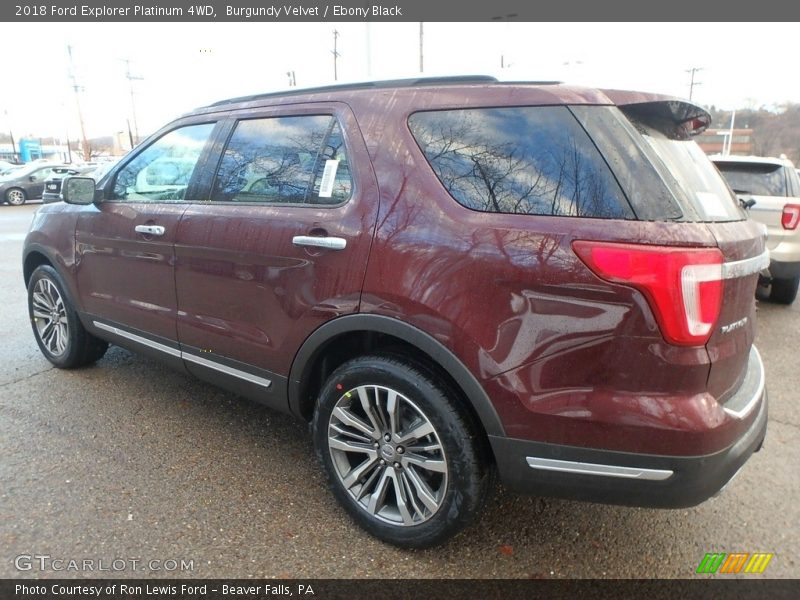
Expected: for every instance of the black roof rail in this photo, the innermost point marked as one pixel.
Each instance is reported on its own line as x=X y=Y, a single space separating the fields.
x=388 y=83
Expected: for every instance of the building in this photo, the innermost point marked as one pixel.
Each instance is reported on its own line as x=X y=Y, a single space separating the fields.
x=714 y=141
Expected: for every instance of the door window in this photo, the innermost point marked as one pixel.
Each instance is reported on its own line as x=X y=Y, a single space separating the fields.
x=287 y=160
x=162 y=171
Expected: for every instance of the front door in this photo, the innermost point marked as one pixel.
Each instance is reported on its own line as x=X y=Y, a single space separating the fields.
x=125 y=243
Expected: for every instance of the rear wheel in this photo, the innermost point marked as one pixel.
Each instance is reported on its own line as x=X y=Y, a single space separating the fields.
x=784 y=291
x=16 y=197
x=61 y=336
x=401 y=455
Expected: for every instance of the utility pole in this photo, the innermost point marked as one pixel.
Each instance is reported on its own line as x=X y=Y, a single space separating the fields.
x=131 y=79
x=87 y=150
x=11 y=133
x=692 y=82
x=336 y=55
x=421 y=64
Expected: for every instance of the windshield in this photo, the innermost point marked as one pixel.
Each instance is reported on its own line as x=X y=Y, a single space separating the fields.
x=696 y=177
x=754 y=178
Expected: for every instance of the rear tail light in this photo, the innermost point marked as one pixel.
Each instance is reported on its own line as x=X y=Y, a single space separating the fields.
x=683 y=286
x=791 y=216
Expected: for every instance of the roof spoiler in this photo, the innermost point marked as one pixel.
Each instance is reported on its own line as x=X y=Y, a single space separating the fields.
x=676 y=118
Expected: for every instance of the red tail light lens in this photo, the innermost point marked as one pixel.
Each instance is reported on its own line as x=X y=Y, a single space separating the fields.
x=683 y=286
x=791 y=216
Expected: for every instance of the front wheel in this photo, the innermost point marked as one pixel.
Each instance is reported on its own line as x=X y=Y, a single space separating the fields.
x=402 y=457
x=784 y=291
x=16 y=197
x=59 y=333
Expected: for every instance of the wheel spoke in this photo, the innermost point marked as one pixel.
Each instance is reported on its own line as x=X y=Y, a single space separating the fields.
x=392 y=407
x=420 y=431
x=363 y=396
x=351 y=434
x=437 y=466
x=410 y=495
x=348 y=418
x=400 y=496
x=377 y=497
x=348 y=446
x=424 y=493
x=358 y=472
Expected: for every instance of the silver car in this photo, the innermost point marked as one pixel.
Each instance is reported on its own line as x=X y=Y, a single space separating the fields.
x=770 y=188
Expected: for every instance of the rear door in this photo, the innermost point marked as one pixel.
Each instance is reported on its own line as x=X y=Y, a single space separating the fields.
x=125 y=243
x=278 y=246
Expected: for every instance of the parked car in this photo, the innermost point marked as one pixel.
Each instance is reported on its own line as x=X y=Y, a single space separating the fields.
x=52 y=187
x=446 y=278
x=771 y=189
x=26 y=183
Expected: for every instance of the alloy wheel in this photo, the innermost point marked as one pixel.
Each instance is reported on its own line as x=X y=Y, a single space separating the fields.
x=50 y=317
x=387 y=455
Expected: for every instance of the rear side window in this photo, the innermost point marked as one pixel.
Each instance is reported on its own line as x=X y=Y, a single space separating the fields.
x=289 y=160
x=527 y=160
x=754 y=178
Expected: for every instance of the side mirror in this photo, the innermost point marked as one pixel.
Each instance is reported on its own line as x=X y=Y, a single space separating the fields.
x=78 y=190
x=32 y=178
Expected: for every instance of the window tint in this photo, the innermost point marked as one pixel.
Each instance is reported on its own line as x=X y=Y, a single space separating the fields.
x=161 y=172
x=531 y=160
x=760 y=179
x=293 y=160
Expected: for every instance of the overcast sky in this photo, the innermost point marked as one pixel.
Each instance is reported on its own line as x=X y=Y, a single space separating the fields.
x=185 y=65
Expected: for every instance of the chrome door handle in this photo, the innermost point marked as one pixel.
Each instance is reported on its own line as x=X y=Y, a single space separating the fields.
x=150 y=229
x=329 y=243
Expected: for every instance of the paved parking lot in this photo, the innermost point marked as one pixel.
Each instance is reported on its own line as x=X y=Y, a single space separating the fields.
x=129 y=460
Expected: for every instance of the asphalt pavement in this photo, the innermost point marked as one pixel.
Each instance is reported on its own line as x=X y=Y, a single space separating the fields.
x=131 y=462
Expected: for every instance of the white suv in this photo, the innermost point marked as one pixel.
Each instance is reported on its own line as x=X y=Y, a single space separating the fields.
x=771 y=189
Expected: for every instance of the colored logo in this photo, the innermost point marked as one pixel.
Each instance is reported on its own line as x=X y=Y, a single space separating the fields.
x=736 y=562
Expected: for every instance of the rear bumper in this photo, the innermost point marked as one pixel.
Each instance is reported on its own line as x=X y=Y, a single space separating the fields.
x=626 y=478
x=784 y=270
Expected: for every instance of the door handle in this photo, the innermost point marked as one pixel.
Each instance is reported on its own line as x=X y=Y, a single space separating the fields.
x=329 y=243
x=150 y=229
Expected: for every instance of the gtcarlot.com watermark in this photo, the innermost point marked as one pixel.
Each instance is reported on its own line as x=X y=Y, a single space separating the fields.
x=45 y=562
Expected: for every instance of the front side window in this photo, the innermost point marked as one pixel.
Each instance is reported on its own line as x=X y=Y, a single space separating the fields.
x=528 y=160
x=287 y=160
x=162 y=171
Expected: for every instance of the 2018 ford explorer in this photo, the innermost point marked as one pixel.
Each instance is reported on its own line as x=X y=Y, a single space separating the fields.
x=446 y=278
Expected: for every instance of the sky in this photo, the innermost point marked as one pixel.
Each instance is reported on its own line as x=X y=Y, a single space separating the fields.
x=186 y=65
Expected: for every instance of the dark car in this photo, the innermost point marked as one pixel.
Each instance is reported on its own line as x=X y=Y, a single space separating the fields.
x=445 y=278
x=52 y=187
x=26 y=183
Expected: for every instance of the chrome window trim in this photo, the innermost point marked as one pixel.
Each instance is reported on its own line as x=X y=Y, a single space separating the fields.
x=582 y=468
x=185 y=355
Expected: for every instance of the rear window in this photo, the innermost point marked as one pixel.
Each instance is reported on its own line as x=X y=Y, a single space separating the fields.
x=754 y=178
x=520 y=160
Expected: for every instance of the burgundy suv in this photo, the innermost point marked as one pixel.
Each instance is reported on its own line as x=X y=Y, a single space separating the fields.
x=445 y=278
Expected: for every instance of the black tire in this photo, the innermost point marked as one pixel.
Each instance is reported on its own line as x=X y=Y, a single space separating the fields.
x=16 y=196
x=452 y=461
x=59 y=332
x=784 y=291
